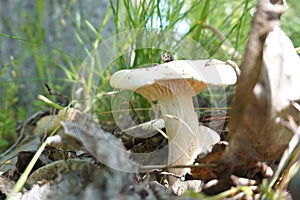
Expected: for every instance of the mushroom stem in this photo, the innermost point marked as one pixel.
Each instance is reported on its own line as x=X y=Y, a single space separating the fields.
x=181 y=124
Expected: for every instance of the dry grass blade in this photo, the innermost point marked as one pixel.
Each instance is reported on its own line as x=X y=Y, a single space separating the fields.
x=290 y=155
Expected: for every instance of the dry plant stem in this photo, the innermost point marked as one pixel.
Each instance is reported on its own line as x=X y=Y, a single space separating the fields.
x=289 y=157
x=266 y=17
x=254 y=133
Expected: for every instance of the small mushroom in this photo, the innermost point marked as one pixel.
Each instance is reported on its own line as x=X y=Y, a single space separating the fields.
x=174 y=84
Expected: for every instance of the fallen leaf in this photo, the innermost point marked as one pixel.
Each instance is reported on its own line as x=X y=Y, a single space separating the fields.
x=104 y=146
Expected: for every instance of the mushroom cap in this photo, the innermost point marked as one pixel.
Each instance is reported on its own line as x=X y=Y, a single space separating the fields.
x=180 y=75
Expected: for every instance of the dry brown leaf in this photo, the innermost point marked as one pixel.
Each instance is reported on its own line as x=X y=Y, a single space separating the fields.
x=104 y=146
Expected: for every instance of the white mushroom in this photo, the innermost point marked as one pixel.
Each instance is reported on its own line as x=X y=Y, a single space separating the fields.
x=174 y=84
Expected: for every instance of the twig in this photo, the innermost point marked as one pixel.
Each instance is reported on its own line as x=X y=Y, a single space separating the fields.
x=54 y=93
